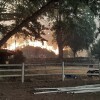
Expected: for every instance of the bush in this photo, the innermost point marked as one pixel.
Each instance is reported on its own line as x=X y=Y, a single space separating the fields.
x=4 y=56
x=17 y=58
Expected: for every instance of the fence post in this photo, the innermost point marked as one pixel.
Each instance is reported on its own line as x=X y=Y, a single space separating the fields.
x=63 y=75
x=23 y=68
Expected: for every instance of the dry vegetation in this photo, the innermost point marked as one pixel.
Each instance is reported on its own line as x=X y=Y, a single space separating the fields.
x=58 y=69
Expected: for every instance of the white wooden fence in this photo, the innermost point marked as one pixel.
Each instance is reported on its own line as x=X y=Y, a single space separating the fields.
x=24 y=68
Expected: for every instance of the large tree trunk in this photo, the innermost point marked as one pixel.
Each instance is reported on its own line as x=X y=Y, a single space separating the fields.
x=59 y=34
x=25 y=22
x=74 y=53
x=60 y=44
x=60 y=47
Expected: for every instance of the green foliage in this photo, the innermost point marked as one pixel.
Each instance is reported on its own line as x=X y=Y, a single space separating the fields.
x=18 y=10
x=95 y=49
x=77 y=25
x=80 y=33
x=71 y=17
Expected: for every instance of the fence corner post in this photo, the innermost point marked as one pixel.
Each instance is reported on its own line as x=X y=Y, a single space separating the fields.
x=63 y=74
x=23 y=69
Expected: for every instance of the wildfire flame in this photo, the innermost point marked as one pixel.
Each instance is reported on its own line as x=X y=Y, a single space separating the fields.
x=16 y=45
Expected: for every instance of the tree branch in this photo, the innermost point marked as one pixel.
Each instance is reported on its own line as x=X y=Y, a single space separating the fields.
x=24 y=22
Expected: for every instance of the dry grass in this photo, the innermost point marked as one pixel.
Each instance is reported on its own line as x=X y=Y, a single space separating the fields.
x=58 y=69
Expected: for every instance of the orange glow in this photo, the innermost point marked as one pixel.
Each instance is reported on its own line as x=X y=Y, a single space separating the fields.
x=13 y=46
x=16 y=45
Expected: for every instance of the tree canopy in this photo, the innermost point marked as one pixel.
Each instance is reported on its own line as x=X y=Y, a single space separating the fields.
x=80 y=32
x=26 y=22
x=74 y=26
x=26 y=12
x=95 y=50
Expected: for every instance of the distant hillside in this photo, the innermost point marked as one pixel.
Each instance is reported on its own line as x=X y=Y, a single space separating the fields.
x=37 y=52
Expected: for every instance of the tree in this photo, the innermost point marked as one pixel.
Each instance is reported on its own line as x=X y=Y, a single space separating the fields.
x=74 y=26
x=80 y=32
x=2 y=9
x=25 y=22
x=95 y=50
x=68 y=6
x=94 y=6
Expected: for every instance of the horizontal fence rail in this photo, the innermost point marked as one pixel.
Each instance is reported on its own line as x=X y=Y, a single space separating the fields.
x=63 y=69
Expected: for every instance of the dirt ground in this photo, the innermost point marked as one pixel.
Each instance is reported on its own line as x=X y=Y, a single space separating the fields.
x=13 y=89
